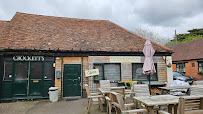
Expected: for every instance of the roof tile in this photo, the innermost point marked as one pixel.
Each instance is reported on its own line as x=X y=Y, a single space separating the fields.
x=52 y=33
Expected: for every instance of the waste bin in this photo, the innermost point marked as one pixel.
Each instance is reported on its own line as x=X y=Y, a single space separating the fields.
x=53 y=94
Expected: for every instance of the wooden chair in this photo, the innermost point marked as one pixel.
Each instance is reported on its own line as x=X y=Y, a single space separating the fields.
x=196 y=90
x=92 y=97
x=130 y=93
x=141 y=90
x=191 y=104
x=109 y=99
x=199 y=82
x=104 y=83
x=121 y=108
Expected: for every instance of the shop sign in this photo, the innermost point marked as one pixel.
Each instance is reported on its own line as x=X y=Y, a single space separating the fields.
x=28 y=58
x=125 y=59
x=92 y=72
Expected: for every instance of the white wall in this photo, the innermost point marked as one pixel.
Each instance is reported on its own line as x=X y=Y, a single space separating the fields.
x=169 y=69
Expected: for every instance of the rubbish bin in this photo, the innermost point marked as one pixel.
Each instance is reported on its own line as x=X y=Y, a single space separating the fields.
x=53 y=94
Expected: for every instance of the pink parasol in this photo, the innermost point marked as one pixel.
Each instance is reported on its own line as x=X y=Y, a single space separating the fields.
x=148 y=67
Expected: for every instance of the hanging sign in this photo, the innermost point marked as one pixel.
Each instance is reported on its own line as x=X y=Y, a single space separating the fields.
x=91 y=72
x=122 y=59
x=28 y=58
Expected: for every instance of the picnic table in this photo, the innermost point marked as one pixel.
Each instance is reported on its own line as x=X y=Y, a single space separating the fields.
x=174 y=88
x=107 y=89
x=151 y=101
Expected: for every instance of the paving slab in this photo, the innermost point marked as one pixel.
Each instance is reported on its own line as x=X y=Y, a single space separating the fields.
x=46 y=107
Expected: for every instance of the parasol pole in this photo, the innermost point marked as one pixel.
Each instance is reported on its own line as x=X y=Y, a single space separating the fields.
x=149 y=84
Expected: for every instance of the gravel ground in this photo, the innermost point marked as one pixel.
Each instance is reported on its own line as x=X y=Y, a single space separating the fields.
x=46 y=107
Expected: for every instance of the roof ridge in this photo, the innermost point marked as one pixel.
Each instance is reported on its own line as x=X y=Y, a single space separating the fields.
x=61 y=17
x=141 y=37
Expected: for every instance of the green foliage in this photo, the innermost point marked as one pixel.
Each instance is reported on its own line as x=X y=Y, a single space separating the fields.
x=181 y=38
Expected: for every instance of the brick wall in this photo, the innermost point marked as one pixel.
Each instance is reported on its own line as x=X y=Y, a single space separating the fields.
x=126 y=69
x=70 y=60
x=191 y=68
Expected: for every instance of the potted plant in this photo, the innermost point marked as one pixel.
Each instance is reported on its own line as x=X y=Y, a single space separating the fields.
x=96 y=80
x=200 y=72
x=169 y=65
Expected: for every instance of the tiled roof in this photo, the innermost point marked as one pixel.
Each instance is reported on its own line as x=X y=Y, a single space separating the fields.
x=188 y=50
x=3 y=24
x=29 y=31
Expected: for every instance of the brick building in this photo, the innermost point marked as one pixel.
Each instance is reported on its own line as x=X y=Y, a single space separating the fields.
x=188 y=58
x=42 y=51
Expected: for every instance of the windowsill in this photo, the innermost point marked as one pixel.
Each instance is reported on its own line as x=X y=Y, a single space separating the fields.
x=97 y=81
x=153 y=82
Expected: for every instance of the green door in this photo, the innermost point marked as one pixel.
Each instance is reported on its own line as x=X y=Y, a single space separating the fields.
x=20 y=80
x=71 y=80
x=35 y=79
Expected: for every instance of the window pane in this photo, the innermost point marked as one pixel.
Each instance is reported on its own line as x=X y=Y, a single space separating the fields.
x=100 y=67
x=21 y=71
x=112 y=72
x=138 y=73
x=8 y=70
x=200 y=66
x=180 y=67
x=48 y=69
x=36 y=71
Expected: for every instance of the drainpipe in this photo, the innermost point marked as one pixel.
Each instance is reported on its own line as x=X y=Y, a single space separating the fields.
x=82 y=76
x=61 y=76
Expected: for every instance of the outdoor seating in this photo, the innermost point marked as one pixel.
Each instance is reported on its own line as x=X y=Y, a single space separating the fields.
x=121 y=107
x=199 y=82
x=141 y=90
x=196 y=90
x=109 y=99
x=191 y=104
x=130 y=93
x=104 y=83
x=93 y=97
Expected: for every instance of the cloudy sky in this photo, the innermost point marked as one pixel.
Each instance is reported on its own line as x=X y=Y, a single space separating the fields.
x=160 y=16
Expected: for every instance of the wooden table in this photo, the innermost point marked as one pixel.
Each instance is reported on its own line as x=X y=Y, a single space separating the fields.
x=107 y=90
x=168 y=89
x=151 y=101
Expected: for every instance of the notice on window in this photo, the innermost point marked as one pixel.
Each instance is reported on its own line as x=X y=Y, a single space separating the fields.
x=91 y=72
x=126 y=59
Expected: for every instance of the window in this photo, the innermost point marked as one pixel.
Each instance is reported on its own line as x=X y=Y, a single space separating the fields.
x=8 y=69
x=180 y=67
x=48 y=70
x=200 y=66
x=36 y=70
x=21 y=71
x=138 y=73
x=108 y=71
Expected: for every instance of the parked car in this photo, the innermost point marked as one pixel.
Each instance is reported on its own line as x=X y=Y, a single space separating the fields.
x=182 y=77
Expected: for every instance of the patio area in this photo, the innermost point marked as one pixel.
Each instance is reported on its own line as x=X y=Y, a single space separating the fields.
x=46 y=107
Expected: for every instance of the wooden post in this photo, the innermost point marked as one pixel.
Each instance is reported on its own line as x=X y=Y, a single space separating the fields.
x=181 y=105
x=201 y=103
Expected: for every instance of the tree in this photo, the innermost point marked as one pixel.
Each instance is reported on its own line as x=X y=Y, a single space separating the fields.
x=151 y=35
x=192 y=35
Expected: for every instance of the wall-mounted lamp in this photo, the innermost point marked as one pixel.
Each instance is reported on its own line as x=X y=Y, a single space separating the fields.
x=57 y=58
x=165 y=58
x=168 y=64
